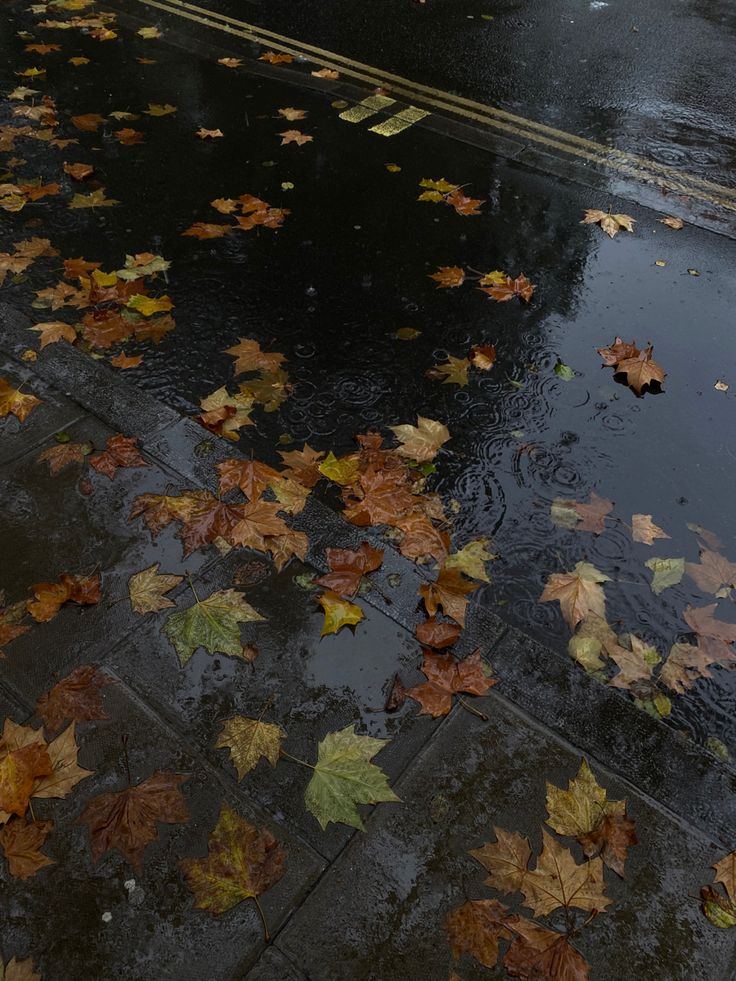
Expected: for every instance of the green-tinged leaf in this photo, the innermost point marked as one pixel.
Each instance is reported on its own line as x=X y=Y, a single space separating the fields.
x=242 y=862
x=213 y=623
x=564 y=371
x=339 y=613
x=581 y=808
x=248 y=740
x=344 y=777
x=667 y=572
x=342 y=471
x=471 y=559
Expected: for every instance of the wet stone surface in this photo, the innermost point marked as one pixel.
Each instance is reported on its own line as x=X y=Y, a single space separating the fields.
x=413 y=868
x=115 y=922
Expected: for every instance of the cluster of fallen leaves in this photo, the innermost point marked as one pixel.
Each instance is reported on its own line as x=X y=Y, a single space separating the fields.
x=267 y=386
x=118 y=306
x=535 y=951
x=247 y=211
x=497 y=285
x=442 y=192
x=595 y=645
x=454 y=371
x=24 y=254
x=633 y=364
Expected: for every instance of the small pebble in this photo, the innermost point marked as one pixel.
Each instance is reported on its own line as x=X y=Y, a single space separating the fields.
x=106 y=917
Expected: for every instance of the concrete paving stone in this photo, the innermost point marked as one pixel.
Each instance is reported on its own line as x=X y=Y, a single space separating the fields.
x=49 y=527
x=317 y=686
x=108 y=921
x=89 y=382
x=56 y=412
x=272 y=966
x=378 y=913
x=550 y=687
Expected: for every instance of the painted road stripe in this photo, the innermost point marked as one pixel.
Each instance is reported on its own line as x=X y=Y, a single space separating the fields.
x=630 y=165
x=401 y=121
x=368 y=107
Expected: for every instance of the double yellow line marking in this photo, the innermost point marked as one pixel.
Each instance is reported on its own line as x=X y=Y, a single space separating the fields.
x=389 y=127
x=528 y=130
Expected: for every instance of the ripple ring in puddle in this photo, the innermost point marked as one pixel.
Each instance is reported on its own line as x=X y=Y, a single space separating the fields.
x=360 y=388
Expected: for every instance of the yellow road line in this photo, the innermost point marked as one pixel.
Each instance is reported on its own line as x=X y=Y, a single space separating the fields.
x=368 y=107
x=631 y=165
x=398 y=123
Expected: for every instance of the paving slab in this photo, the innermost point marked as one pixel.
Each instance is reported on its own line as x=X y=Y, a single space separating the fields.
x=378 y=913
x=272 y=966
x=56 y=412
x=107 y=921
x=50 y=527
x=315 y=685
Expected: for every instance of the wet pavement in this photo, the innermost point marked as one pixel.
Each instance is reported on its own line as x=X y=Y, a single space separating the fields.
x=348 y=267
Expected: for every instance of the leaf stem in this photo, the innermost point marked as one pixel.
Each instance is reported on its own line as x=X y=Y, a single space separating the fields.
x=126 y=758
x=266 y=934
x=294 y=759
x=473 y=711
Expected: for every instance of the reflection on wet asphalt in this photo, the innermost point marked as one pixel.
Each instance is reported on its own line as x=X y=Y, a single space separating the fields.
x=351 y=265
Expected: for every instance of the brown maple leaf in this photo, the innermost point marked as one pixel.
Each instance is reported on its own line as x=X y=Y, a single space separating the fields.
x=593 y=514
x=448 y=593
x=258 y=521
x=506 y=859
x=10 y=625
x=462 y=204
x=128 y=136
x=644 y=530
x=21 y=843
x=76 y=698
x=618 y=351
x=88 y=123
x=19 y=770
x=120 y=451
x=127 y=820
x=203 y=229
x=483 y=357
x=294 y=136
x=249 y=357
x=103 y=328
x=78 y=171
x=578 y=593
x=250 y=476
x=509 y=288
x=209 y=134
x=347 y=568
x=475 y=928
x=379 y=497
x=204 y=518
x=445 y=678
x=434 y=633
x=558 y=881
x=276 y=59
x=54 y=331
x=63 y=455
x=51 y=596
x=702 y=622
x=421 y=540
x=447 y=276
x=12 y=400
x=539 y=954
x=611 y=224
x=291 y=114
x=713 y=574
x=641 y=370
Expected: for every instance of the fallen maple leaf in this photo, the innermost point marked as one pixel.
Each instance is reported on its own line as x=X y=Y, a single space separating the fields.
x=154 y=109
x=509 y=288
x=88 y=123
x=204 y=230
x=250 y=476
x=644 y=530
x=347 y=568
x=433 y=633
x=471 y=559
x=123 y=361
x=329 y=73
x=445 y=678
x=448 y=593
x=338 y=613
x=291 y=114
x=10 y=625
x=463 y=205
x=21 y=843
x=344 y=777
x=447 y=276
x=96 y=199
x=687 y=663
x=611 y=224
x=641 y=370
x=713 y=574
x=78 y=171
x=230 y=62
x=583 y=811
x=147 y=588
x=539 y=954
x=63 y=455
x=149 y=33
x=209 y=134
x=212 y=623
x=578 y=593
x=19 y=770
x=276 y=59
x=702 y=622
x=423 y=441
x=248 y=740
x=120 y=451
x=475 y=928
x=302 y=465
x=54 y=331
x=452 y=372
x=51 y=596
x=127 y=820
x=294 y=136
x=128 y=136
x=558 y=881
x=719 y=908
x=506 y=859
x=15 y=401
x=76 y=698
x=242 y=862
x=20 y=970
x=676 y=223
x=591 y=516
x=483 y=357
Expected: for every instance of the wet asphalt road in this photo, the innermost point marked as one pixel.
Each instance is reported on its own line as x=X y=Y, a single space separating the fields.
x=653 y=78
